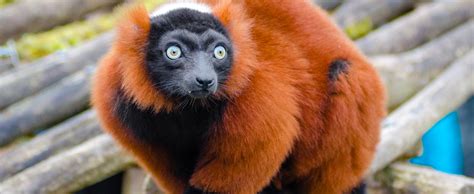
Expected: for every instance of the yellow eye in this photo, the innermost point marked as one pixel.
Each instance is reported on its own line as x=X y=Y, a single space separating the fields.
x=173 y=52
x=219 y=52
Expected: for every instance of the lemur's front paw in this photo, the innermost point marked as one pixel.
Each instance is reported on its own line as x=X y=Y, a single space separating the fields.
x=193 y=190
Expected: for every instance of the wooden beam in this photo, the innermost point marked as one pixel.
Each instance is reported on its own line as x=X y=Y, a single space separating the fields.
x=402 y=177
x=403 y=128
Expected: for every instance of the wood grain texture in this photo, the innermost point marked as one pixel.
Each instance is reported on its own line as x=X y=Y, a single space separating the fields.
x=58 y=102
x=408 y=178
x=407 y=73
x=88 y=163
x=55 y=140
x=31 y=78
x=377 y=11
x=417 y=27
x=403 y=128
x=33 y=15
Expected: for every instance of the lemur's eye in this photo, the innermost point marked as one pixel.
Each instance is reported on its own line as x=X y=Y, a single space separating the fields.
x=219 y=52
x=173 y=52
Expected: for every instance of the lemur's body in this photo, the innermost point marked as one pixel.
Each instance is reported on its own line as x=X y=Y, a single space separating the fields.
x=227 y=97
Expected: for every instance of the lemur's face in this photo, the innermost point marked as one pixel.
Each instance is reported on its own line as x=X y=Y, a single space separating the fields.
x=189 y=54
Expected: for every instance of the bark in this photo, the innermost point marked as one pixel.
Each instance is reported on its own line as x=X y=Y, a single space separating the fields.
x=133 y=181
x=9 y=56
x=4 y=65
x=328 y=4
x=407 y=73
x=405 y=126
x=33 y=77
x=377 y=12
x=406 y=178
x=423 y=24
x=60 y=101
x=33 y=15
x=70 y=171
x=55 y=140
x=149 y=186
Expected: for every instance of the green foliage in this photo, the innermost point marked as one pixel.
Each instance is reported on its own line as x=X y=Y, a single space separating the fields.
x=32 y=46
x=4 y=3
x=36 y=45
x=359 y=29
x=151 y=4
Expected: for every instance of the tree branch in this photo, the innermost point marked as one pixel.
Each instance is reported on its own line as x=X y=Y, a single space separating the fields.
x=405 y=126
x=26 y=81
x=33 y=15
x=77 y=168
x=64 y=99
x=55 y=140
x=407 y=178
x=417 y=27
x=360 y=17
x=407 y=73
x=328 y=4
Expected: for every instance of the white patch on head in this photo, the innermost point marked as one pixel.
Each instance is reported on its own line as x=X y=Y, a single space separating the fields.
x=164 y=9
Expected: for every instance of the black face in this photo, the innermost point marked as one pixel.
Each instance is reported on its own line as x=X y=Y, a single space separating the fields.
x=189 y=54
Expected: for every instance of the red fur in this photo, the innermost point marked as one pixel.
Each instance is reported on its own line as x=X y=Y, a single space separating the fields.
x=282 y=103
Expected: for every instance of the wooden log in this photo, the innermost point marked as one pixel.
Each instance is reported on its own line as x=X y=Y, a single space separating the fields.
x=33 y=15
x=405 y=126
x=4 y=66
x=407 y=73
x=69 y=171
x=8 y=56
x=55 y=140
x=328 y=4
x=149 y=186
x=64 y=99
x=417 y=27
x=30 y=79
x=361 y=16
x=407 y=178
x=133 y=181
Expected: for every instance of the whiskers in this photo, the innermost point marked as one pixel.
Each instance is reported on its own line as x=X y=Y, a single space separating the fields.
x=182 y=100
x=168 y=86
x=184 y=103
x=221 y=92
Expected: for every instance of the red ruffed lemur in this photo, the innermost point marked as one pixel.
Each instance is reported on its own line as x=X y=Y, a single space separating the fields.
x=241 y=97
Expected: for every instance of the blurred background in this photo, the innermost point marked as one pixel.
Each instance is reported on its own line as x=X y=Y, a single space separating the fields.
x=50 y=140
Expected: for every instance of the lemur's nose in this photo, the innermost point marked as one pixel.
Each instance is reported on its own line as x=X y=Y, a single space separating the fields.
x=204 y=83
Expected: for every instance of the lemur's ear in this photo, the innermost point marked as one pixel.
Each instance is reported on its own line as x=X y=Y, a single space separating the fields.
x=133 y=29
x=223 y=9
x=233 y=16
x=131 y=43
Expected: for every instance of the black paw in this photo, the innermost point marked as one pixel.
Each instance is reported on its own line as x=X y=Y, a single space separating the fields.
x=360 y=189
x=270 y=189
x=193 y=190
